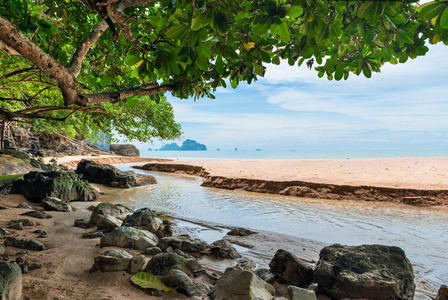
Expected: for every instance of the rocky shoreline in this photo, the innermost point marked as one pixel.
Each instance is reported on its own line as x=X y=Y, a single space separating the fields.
x=416 y=197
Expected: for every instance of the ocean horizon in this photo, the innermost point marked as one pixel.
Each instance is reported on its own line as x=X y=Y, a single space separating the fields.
x=290 y=154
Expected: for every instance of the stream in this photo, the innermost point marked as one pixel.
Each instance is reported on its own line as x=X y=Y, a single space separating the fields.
x=421 y=232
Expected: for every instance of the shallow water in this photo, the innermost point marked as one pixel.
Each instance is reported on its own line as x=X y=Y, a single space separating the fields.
x=421 y=232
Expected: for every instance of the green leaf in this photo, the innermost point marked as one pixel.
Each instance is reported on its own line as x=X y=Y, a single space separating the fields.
x=284 y=33
x=339 y=71
x=36 y=10
x=131 y=60
x=322 y=35
x=219 y=65
x=149 y=281
x=234 y=84
x=259 y=69
x=295 y=11
x=365 y=9
x=431 y=11
x=376 y=12
x=105 y=80
x=198 y=22
x=176 y=32
x=444 y=19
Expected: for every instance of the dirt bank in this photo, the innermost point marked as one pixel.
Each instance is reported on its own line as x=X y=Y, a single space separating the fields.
x=359 y=179
x=72 y=161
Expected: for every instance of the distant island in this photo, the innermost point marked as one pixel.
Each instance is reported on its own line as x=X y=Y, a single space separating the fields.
x=187 y=145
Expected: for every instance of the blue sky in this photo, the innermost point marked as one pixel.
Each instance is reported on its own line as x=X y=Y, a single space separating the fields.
x=403 y=107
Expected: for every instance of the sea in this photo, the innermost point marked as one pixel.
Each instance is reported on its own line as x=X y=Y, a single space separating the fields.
x=290 y=154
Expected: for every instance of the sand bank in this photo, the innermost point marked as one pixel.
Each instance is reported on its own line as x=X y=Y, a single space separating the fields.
x=415 y=181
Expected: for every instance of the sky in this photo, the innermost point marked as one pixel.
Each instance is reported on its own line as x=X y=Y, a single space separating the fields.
x=403 y=107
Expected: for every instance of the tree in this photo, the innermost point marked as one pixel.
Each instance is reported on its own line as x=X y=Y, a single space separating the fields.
x=100 y=57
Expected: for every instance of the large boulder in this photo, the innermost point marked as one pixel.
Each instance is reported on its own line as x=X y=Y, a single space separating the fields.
x=2 y=248
x=16 y=162
x=128 y=237
x=162 y=263
x=287 y=268
x=112 y=260
x=56 y=204
x=108 y=209
x=366 y=271
x=225 y=249
x=108 y=222
x=143 y=218
x=241 y=285
x=184 y=284
x=105 y=174
x=124 y=149
x=183 y=244
x=10 y=281
x=67 y=186
x=442 y=294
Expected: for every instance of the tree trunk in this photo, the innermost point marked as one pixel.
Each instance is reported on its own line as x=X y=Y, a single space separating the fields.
x=2 y=134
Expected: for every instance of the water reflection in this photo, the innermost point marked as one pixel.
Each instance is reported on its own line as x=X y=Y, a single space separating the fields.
x=421 y=232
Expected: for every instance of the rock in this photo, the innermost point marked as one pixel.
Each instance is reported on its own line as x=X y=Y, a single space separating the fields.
x=16 y=226
x=24 y=243
x=25 y=222
x=124 y=149
x=443 y=293
x=82 y=223
x=183 y=254
x=143 y=217
x=287 y=268
x=112 y=260
x=246 y=264
x=2 y=248
x=241 y=285
x=38 y=214
x=41 y=232
x=67 y=186
x=240 y=231
x=296 y=293
x=92 y=235
x=137 y=263
x=162 y=263
x=152 y=251
x=366 y=271
x=182 y=243
x=128 y=237
x=144 y=179
x=265 y=274
x=106 y=174
x=3 y=233
x=15 y=162
x=164 y=231
x=10 y=281
x=56 y=204
x=24 y=205
x=225 y=249
x=107 y=209
x=184 y=284
x=108 y=222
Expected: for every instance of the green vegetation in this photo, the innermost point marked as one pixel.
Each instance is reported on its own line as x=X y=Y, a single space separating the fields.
x=6 y=180
x=104 y=65
x=149 y=281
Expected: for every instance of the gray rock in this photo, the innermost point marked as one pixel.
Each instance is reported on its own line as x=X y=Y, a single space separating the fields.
x=82 y=223
x=443 y=293
x=287 y=268
x=92 y=235
x=162 y=263
x=24 y=243
x=112 y=260
x=3 y=233
x=10 y=281
x=67 y=186
x=24 y=205
x=241 y=285
x=246 y=264
x=137 y=264
x=225 y=249
x=182 y=253
x=56 y=204
x=41 y=232
x=16 y=226
x=366 y=271
x=152 y=251
x=25 y=222
x=38 y=214
x=182 y=243
x=107 y=209
x=143 y=217
x=128 y=237
x=108 y=222
x=265 y=274
x=184 y=284
x=296 y=293
x=2 y=248
x=124 y=149
x=106 y=174
x=241 y=231
x=164 y=231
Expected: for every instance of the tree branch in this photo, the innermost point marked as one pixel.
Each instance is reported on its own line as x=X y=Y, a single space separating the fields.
x=19 y=72
x=119 y=19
